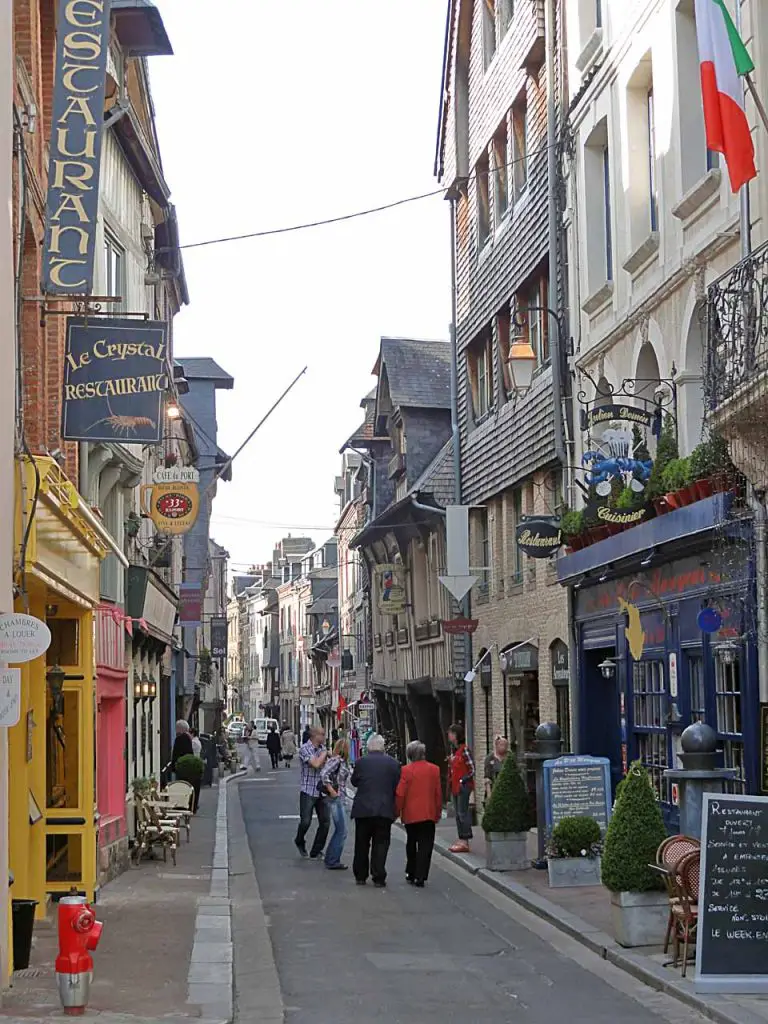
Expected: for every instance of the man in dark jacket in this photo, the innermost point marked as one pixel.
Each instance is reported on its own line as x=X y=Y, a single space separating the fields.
x=274 y=745
x=375 y=779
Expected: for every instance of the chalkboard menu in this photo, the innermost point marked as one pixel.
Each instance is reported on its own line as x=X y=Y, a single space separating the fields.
x=732 y=940
x=577 y=786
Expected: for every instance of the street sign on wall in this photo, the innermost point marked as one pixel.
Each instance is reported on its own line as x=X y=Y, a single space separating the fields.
x=115 y=379
x=391 y=589
x=77 y=118
x=173 y=500
x=22 y=638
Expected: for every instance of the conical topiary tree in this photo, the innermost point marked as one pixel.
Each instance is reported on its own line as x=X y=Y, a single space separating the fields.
x=634 y=834
x=509 y=807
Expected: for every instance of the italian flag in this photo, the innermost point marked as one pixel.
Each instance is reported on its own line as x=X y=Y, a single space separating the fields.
x=724 y=59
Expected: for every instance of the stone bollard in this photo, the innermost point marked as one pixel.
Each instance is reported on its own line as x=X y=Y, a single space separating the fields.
x=699 y=775
x=548 y=743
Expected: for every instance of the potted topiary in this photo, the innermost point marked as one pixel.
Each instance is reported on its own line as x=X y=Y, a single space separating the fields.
x=712 y=469
x=639 y=907
x=676 y=480
x=572 y=527
x=508 y=817
x=190 y=769
x=573 y=853
x=666 y=451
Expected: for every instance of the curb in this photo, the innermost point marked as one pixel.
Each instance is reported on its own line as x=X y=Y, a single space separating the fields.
x=714 y=1008
x=210 y=979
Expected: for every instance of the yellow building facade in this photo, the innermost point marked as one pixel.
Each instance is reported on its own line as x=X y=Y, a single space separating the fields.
x=59 y=544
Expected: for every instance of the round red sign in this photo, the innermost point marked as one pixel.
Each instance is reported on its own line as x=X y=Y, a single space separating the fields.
x=173 y=506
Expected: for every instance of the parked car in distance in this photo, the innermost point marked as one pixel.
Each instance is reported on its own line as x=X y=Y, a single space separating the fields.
x=235 y=730
x=262 y=728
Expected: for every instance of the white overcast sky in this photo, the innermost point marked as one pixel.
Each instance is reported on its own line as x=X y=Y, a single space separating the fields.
x=274 y=113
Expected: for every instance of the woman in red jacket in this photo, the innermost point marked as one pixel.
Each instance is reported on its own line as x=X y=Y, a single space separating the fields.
x=419 y=805
x=462 y=774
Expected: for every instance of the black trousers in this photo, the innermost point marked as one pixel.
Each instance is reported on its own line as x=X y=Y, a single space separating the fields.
x=371 y=848
x=307 y=806
x=274 y=758
x=418 y=850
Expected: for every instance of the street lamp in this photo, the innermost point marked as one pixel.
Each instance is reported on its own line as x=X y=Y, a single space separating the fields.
x=521 y=358
x=608 y=668
x=727 y=653
x=136 y=686
x=55 y=677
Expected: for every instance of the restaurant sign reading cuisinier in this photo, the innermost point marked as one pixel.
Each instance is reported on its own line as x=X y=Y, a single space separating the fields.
x=77 y=118
x=115 y=378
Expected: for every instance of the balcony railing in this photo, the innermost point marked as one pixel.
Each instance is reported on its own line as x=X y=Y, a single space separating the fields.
x=736 y=357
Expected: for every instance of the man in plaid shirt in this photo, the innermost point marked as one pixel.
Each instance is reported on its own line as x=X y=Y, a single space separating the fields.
x=312 y=758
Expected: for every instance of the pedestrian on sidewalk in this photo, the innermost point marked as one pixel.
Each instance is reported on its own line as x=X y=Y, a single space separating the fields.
x=335 y=775
x=462 y=776
x=249 y=748
x=273 y=745
x=494 y=763
x=305 y=735
x=420 y=806
x=312 y=758
x=197 y=743
x=375 y=778
x=288 y=745
x=182 y=745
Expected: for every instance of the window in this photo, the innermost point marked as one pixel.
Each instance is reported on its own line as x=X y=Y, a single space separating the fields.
x=728 y=711
x=696 y=688
x=598 y=13
x=697 y=160
x=485 y=552
x=563 y=699
x=649 y=697
x=483 y=202
x=653 y=196
x=497 y=17
x=63 y=758
x=480 y=360
x=517 y=518
x=500 y=173
x=520 y=144
x=532 y=302
x=114 y=271
x=608 y=241
x=597 y=208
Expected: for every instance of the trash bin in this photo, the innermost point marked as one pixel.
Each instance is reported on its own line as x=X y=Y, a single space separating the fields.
x=23 y=917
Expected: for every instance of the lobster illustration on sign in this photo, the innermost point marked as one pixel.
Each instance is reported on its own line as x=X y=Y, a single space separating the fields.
x=124 y=425
x=614 y=459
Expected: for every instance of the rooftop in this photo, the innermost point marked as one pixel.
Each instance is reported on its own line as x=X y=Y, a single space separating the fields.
x=418 y=372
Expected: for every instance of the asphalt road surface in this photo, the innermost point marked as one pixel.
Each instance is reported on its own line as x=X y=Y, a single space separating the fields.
x=454 y=951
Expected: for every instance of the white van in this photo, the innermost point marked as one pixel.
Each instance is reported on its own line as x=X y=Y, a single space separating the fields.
x=261 y=728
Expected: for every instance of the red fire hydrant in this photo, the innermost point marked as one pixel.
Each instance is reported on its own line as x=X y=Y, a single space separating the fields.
x=79 y=934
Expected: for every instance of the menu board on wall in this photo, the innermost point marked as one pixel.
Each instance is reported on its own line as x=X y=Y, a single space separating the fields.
x=732 y=939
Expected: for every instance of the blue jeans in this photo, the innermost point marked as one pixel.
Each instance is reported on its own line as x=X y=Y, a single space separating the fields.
x=336 y=845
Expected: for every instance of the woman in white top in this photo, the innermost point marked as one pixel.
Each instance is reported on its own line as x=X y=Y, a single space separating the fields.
x=197 y=746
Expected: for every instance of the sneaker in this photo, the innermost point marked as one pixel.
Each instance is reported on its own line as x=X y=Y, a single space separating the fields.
x=380 y=885
x=419 y=884
x=301 y=848
x=337 y=867
x=359 y=881
x=459 y=847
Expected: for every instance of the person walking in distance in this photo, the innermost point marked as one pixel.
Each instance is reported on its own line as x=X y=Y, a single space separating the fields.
x=250 y=749
x=305 y=735
x=182 y=745
x=273 y=745
x=420 y=806
x=375 y=778
x=312 y=758
x=197 y=743
x=288 y=745
x=334 y=776
x=462 y=776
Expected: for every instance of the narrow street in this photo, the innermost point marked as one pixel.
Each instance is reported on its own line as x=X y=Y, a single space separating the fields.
x=453 y=951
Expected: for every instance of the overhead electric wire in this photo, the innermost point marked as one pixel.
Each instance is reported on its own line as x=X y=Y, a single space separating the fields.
x=351 y=216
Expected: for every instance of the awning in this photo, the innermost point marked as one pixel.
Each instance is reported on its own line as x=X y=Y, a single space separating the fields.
x=140 y=29
x=151 y=602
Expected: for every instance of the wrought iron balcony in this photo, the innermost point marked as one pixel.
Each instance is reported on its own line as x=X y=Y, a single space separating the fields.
x=736 y=360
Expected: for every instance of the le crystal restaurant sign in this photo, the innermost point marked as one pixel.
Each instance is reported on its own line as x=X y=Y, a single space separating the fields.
x=115 y=376
x=539 y=537
x=75 y=146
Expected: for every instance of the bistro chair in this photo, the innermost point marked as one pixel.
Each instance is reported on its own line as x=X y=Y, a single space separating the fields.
x=668 y=856
x=686 y=910
x=178 y=799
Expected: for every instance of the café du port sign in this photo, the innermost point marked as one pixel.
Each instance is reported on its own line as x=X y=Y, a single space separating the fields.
x=539 y=536
x=115 y=379
x=173 y=500
x=77 y=118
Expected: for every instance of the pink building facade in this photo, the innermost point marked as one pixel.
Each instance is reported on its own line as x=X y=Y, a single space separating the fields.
x=111 y=695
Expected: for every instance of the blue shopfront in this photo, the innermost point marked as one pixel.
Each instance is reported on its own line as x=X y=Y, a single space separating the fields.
x=646 y=665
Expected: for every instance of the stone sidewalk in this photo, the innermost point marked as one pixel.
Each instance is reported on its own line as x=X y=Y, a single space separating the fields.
x=583 y=913
x=166 y=950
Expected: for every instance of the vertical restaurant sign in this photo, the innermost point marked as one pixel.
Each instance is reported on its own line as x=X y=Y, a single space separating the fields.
x=174 y=499
x=391 y=591
x=115 y=377
x=82 y=29
x=190 y=604
x=219 y=636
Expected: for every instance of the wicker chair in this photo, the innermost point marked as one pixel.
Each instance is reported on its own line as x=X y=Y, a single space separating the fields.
x=152 y=831
x=668 y=856
x=179 y=797
x=685 y=911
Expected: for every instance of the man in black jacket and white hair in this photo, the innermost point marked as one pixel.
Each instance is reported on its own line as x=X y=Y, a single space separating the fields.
x=375 y=779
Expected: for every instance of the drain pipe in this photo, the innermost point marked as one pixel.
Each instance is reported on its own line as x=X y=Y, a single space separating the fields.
x=761 y=572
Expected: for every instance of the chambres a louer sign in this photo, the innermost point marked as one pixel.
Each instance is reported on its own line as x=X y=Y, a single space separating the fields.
x=115 y=378
x=75 y=146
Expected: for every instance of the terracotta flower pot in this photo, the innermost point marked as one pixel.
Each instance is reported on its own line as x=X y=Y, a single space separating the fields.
x=703 y=488
x=689 y=494
x=661 y=506
x=673 y=500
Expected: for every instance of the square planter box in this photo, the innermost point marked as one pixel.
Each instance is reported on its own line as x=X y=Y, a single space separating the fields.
x=566 y=871
x=639 y=918
x=506 y=851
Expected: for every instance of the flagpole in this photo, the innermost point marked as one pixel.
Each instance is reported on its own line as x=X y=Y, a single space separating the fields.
x=758 y=102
